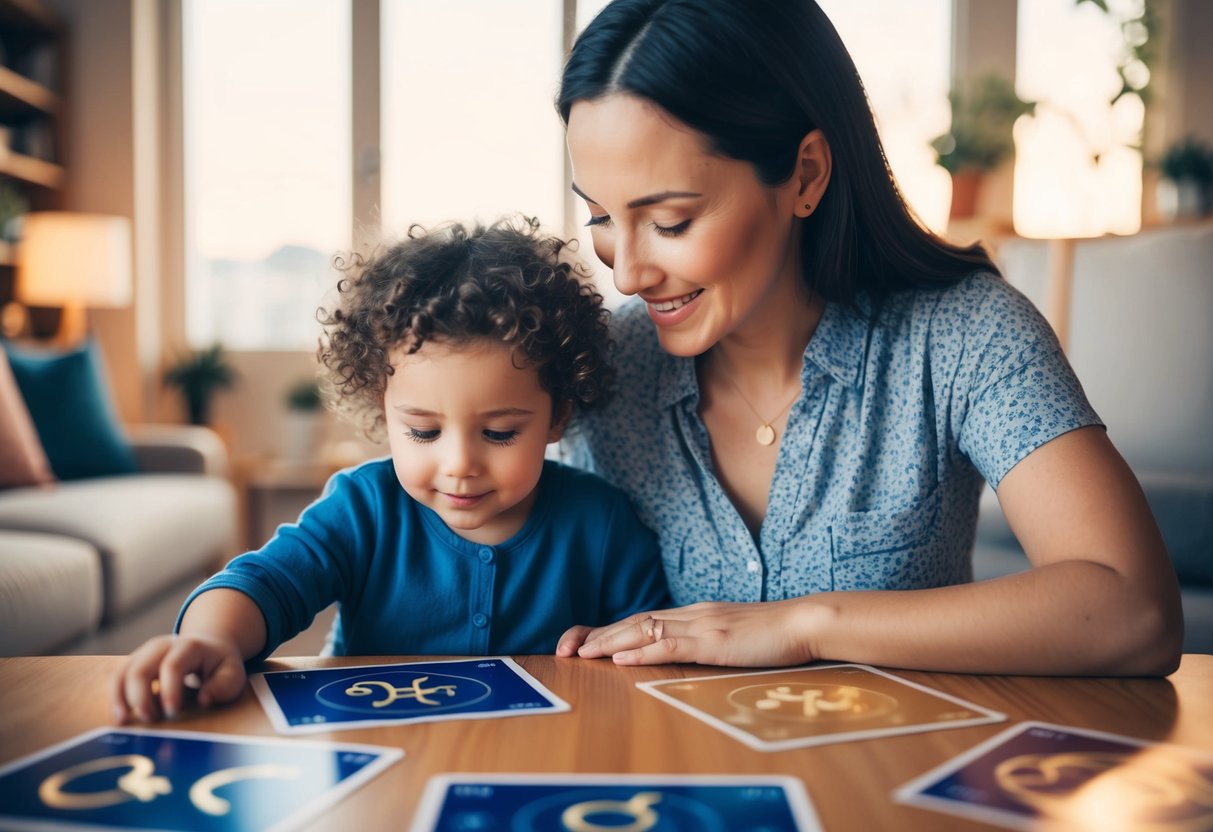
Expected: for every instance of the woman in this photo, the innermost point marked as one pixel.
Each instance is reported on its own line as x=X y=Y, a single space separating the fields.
x=813 y=387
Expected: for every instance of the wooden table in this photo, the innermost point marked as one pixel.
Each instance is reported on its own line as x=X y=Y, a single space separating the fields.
x=613 y=727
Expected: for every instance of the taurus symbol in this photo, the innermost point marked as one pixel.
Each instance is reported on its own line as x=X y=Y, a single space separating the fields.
x=639 y=808
x=413 y=691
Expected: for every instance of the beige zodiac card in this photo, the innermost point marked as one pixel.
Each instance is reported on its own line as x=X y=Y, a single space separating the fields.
x=775 y=710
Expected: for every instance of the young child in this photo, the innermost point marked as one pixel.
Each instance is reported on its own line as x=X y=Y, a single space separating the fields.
x=472 y=348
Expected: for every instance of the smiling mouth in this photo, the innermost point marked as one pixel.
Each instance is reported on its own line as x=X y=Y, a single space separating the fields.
x=674 y=303
x=464 y=499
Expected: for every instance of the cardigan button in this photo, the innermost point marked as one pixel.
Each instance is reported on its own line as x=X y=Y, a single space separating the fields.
x=486 y=554
x=480 y=619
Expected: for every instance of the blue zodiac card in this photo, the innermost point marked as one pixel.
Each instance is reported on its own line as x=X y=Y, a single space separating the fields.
x=328 y=699
x=131 y=778
x=1036 y=774
x=591 y=802
x=775 y=710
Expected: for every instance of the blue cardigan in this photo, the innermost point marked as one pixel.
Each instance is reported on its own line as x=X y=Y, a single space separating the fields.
x=407 y=584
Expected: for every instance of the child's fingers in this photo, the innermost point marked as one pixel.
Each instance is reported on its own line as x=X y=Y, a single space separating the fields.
x=224 y=683
x=140 y=672
x=186 y=657
x=117 y=694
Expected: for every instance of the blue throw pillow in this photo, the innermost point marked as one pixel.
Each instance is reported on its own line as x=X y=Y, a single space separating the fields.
x=67 y=399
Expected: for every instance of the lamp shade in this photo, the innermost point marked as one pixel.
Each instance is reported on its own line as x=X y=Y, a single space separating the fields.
x=68 y=258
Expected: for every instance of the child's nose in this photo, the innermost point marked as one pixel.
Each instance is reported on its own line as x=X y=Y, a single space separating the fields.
x=460 y=459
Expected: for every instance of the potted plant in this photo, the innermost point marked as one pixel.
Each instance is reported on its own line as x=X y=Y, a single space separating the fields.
x=304 y=420
x=199 y=374
x=980 y=138
x=1186 y=187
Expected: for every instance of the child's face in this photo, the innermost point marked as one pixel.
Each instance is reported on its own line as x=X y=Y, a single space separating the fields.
x=468 y=431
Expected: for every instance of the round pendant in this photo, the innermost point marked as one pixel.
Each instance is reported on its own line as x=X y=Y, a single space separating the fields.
x=765 y=435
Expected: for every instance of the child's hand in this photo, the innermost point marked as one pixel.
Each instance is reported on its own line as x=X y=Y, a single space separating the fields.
x=152 y=683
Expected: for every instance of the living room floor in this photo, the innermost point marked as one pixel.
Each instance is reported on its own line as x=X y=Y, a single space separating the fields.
x=158 y=617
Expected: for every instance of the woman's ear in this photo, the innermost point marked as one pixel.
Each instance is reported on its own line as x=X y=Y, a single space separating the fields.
x=813 y=167
x=560 y=420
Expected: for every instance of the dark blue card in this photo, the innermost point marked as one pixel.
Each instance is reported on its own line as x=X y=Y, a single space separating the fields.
x=1037 y=773
x=327 y=699
x=132 y=778
x=584 y=802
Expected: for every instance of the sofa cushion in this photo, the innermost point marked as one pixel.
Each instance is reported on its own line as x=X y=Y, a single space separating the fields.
x=151 y=530
x=22 y=460
x=50 y=591
x=68 y=398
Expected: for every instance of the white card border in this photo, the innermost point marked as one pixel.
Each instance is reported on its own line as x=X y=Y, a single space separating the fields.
x=909 y=793
x=278 y=718
x=308 y=811
x=651 y=687
x=804 y=814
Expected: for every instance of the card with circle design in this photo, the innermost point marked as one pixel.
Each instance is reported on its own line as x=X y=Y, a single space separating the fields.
x=600 y=802
x=774 y=710
x=334 y=698
x=1036 y=775
x=136 y=778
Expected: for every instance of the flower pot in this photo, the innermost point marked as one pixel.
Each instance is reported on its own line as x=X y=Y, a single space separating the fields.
x=966 y=188
x=1179 y=200
x=302 y=431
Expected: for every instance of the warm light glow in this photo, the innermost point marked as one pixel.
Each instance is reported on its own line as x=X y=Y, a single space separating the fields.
x=78 y=259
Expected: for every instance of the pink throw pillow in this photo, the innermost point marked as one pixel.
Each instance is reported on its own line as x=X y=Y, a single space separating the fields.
x=22 y=459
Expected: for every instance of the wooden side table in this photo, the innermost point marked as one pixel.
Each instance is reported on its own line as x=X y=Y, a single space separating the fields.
x=277 y=491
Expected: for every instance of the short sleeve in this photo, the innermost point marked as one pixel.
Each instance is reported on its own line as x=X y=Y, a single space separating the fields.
x=1017 y=388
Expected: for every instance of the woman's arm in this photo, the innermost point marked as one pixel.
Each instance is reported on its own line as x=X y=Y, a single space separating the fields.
x=1101 y=597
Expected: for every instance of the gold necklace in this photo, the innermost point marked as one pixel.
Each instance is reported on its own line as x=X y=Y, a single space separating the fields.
x=765 y=435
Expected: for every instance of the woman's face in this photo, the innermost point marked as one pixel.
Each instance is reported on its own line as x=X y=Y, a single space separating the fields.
x=710 y=249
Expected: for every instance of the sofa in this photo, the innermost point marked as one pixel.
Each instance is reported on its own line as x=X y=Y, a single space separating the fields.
x=95 y=520
x=84 y=553
x=1140 y=338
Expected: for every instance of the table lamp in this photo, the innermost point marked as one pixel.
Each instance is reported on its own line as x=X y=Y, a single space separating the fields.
x=74 y=260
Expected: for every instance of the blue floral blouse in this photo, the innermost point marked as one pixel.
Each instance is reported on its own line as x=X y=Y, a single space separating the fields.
x=880 y=467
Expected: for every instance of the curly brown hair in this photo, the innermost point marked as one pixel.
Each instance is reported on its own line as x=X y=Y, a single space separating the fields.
x=507 y=282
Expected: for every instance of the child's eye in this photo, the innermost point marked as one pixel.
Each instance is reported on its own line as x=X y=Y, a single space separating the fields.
x=598 y=219
x=422 y=435
x=501 y=437
x=673 y=230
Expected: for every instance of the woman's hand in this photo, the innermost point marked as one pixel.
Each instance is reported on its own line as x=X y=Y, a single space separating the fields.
x=153 y=681
x=769 y=634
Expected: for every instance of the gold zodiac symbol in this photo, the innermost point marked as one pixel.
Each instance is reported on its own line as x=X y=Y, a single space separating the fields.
x=413 y=691
x=202 y=793
x=139 y=783
x=639 y=807
x=143 y=784
x=1081 y=786
x=813 y=701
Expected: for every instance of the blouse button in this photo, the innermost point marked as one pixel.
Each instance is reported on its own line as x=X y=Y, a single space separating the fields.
x=752 y=566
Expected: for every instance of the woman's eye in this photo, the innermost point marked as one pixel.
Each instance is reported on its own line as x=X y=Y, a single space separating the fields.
x=672 y=230
x=598 y=219
x=422 y=435
x=501 y=437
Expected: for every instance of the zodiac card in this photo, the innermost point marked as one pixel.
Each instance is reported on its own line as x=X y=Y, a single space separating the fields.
x=594 y=802
x=774 y=710
x=1036 y=775
x=132 y=778
x=335 y=698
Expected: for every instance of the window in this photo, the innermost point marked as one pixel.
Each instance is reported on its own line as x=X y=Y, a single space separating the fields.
x=267 y=171
x=1077 y=170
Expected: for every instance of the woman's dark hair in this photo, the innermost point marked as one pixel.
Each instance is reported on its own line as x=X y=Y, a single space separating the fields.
x=754 y=77
x=507 y=283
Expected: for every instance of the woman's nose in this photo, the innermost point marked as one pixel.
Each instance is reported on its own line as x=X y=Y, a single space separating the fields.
x=633 y=271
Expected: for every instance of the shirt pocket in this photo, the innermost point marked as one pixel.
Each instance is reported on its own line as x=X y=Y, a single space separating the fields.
x=692 y=569
x=888 y=548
